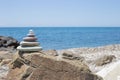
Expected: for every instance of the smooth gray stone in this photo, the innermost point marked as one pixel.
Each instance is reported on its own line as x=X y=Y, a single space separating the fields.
x=31 y=39
x=29 y=44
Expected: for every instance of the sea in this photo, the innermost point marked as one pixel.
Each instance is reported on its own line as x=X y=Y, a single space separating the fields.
x=67 y=37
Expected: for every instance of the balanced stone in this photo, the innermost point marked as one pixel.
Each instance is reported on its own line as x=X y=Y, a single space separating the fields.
x=20 y=48
x=29 y=43
x=31 y=33
x=30 y=39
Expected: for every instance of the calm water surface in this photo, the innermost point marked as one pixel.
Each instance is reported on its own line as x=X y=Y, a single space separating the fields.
x=67 y=37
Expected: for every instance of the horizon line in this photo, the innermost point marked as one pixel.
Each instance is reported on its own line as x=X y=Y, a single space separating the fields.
x=58 y=26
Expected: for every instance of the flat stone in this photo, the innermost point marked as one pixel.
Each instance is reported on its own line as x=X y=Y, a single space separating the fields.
x=29 y=48
x=31 y=35
x=30 y=39
x=29 y=44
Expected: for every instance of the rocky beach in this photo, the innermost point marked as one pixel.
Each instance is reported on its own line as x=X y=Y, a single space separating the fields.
x=67 y=64
x=59 y=39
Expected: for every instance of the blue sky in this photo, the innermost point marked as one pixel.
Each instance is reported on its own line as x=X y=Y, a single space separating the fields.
x=79 y=13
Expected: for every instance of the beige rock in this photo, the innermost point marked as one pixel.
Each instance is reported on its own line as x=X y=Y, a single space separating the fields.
x=71 y=56
x=104 y=60
x=5 y=58
x=6 y=55
x=51 y=52
x=38 y=66
x=5 y=61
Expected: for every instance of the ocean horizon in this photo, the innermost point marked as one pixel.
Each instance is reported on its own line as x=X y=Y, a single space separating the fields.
x=67 y=37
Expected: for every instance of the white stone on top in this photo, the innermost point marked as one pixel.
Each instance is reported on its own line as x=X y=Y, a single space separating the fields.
x=31 y=31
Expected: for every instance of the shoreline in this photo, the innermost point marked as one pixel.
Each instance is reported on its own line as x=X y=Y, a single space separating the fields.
x=93 y=55
x=100 y=46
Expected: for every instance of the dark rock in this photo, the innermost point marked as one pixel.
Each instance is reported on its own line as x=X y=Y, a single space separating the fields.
x=46 y=67
x=8 y=42
x=104 y=60
x=67 y=53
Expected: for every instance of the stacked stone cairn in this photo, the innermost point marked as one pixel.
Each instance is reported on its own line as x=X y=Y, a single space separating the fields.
x=29 y=43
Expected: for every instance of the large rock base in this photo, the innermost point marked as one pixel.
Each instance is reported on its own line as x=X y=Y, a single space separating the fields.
x=38 y=66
